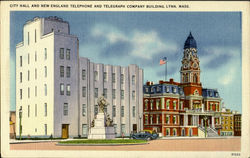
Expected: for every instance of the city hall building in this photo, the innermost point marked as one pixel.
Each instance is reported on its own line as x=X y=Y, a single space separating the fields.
x=185 y=108
x=57 y=90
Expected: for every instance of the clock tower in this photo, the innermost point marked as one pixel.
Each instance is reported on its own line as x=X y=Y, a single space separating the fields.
x=190 y=69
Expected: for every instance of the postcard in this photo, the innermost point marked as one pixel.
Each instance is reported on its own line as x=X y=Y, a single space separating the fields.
x=124 y=79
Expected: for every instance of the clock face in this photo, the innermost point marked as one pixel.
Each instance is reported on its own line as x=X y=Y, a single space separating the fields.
x=195 y=65
x=185 y=65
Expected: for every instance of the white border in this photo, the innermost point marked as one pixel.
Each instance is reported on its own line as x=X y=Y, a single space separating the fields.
x=193 y=6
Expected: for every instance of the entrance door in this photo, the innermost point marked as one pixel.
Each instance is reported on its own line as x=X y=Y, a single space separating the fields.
x=65 y=131
x=134 y=128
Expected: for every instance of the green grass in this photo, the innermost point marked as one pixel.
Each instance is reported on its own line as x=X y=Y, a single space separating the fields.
x=104 y=141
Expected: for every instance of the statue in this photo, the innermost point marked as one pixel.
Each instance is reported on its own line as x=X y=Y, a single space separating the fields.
x=109 y=121
x=102 y=103
x=93 y=123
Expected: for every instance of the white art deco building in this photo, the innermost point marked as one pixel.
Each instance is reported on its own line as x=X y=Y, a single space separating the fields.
x=57 y=90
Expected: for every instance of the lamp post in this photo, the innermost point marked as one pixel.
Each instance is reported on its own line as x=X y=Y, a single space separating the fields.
x=20 y=123
x=205 y=118
x=140 y=122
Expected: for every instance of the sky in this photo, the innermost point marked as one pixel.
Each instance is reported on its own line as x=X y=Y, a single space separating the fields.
x=143 y=38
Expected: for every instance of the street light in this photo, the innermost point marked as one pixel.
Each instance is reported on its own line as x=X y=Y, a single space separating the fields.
x=140 y=122
x=20 y=124
x=205 y=118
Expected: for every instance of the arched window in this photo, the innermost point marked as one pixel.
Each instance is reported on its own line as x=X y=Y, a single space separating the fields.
x=167 y=132
x=174 y=132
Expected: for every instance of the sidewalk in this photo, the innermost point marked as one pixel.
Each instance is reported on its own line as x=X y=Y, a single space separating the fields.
x=196 y=137
x=14 y=141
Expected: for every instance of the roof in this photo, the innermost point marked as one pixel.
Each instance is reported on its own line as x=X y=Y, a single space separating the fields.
x=190 y=42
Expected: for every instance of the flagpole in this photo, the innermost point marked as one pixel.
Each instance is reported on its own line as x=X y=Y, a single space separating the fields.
x=166 y=71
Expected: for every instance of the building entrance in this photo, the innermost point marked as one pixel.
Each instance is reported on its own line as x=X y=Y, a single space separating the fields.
x=65 y=131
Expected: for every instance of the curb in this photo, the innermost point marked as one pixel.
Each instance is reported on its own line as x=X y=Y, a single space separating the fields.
x=34 y=141
x=98 y=144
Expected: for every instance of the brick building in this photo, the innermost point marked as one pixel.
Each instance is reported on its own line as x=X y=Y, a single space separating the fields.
x=237 y=124
x=185 y=108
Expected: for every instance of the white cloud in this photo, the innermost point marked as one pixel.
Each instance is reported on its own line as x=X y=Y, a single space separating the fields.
x=144 y=44
x=227 y=77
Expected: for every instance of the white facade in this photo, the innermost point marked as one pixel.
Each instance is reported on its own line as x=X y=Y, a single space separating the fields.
x=50 y=84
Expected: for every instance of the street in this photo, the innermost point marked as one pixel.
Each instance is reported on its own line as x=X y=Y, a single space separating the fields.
x=185 y=144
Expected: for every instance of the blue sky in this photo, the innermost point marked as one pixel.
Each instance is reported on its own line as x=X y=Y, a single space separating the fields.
x=142 y=38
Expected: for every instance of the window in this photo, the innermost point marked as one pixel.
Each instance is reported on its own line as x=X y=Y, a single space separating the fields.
x=146 y=89
x=68 y=54
x=28 y=58
x=45 y=89
x=158 y=119
x=61 y=71
x=35 y=110
x=157 y=104
x=83 y=91
x=122 y=79
x=146 y=105
x=151 y=119
x=28 y=92
x=35 y=35
x=105 y=92
x=105 y=77
x=68 y=90
x=21 y=77
x=21 y=93
x=21 y=61
x=133 y=111
x=167 y=119
x=174 y=89
x=96 y=92
x=123 y=129
x=113 y=77
x=133 y=79
x=28 y=38
x=45 y=109
x=113 y=93
x=181 y=105
x=84 y=130
x=65 y=109
x=115 y=128
x=122 y=111
x=158 y=88
x=35 y=56
x=83 y=109
x=61 y=53
x=45 y=53
x=174 y=119
x=168 y=104
x=167 y=131
x=167 y=89
x=122 y=94
x=28 y=111
x=96 y=109
x=133 y=95
x=45 y=129
x=174 y=105
x=83 y=74
x=61 y=88
x=96 y=75
x=68 y=71
x=146 y=119
x=28 y=75
x=114 y=111
x=151 y=104
x=45 y=71
x=35 y=73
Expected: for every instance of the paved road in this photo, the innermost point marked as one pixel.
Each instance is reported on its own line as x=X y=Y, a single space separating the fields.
x=225 y=144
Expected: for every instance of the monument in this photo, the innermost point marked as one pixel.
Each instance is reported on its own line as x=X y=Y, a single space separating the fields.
x=102 y=125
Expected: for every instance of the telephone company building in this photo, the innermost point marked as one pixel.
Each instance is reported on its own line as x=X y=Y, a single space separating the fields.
x=57 y=90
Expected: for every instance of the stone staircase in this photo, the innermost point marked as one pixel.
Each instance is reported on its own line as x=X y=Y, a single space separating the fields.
x=210 y=131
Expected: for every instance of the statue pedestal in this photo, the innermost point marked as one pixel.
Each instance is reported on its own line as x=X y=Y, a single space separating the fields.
x=99 y=131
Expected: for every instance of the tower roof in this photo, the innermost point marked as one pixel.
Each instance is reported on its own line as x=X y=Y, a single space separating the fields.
x=190 y=42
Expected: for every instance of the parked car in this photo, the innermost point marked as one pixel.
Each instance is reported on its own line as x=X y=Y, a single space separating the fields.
x=144 y=135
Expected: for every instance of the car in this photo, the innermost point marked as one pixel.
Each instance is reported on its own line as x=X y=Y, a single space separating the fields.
x=144 y=135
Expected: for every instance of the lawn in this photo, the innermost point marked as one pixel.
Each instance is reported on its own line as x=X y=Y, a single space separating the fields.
x=104 y=141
